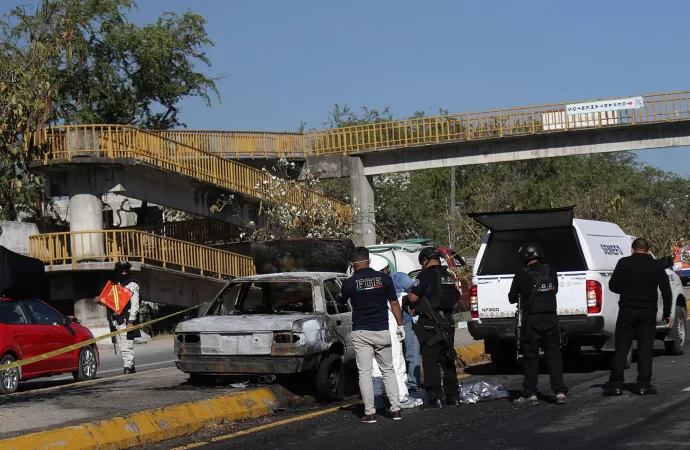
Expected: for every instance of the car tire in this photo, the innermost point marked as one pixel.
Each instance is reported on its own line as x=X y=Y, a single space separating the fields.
x=330 y=378
x=88 y=365
x=677 y=345
x=504 y=354
x=9 y=379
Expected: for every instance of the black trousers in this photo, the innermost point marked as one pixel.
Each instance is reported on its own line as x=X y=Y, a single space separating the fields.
x=642 y=321
x=435 y=363
x=542 y=330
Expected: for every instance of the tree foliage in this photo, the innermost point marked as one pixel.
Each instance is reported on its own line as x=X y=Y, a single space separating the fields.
x=81 y=61
x=614 y=187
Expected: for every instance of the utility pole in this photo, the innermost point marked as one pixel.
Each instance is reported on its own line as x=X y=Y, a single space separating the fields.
x=452 y=208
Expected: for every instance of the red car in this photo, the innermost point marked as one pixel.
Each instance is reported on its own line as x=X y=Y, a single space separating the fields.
x=30 y=328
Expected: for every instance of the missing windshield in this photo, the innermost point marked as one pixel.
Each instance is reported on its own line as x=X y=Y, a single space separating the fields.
x=285 y=297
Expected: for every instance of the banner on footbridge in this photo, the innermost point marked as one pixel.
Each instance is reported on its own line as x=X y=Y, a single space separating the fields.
x=619 y=104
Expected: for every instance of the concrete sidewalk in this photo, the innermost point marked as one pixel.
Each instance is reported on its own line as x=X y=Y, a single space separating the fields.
x=43 y=409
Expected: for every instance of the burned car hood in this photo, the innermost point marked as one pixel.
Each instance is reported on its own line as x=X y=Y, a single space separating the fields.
x=240 y=323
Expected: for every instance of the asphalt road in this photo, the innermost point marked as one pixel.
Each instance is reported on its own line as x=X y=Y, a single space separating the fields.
x=587 y=421
x=153 y=355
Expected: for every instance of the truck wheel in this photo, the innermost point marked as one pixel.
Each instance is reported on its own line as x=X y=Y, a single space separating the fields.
x=9 y=379
x=676 y=346
x=87 y=365
x=330 y=378
x=504 y=355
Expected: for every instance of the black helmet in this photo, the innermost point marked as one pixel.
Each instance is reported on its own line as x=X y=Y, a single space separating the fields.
x=530 y=251
x=123 y=266
x=428 y=253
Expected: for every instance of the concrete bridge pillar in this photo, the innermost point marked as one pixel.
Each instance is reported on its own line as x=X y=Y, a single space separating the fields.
x=85 y=214
x=362 y=195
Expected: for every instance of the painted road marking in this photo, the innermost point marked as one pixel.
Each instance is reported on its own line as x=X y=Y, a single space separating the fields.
x=117 y=370
x=276 y=424
x=81 y=383
x=264 y=427
x=687 y=389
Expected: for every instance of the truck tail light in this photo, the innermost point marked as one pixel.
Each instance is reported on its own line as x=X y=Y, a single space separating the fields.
x=594 y=294
x=474 y=303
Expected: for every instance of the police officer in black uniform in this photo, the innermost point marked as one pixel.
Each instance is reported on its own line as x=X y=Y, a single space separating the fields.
x=536 y=286
x=437 y=285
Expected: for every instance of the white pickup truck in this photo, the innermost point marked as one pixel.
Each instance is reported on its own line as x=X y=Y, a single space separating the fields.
x=585 y=253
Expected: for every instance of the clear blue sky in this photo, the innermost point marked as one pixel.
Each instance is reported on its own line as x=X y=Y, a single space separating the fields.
x=291 y=61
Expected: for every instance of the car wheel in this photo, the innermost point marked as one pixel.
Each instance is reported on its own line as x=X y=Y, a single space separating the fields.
x=677 y=345
x=87 y=365
x=9 y=379
x=330 y=378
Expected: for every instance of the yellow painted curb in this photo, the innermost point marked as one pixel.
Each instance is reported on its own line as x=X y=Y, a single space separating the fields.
x=471 y=354
x=151 y=426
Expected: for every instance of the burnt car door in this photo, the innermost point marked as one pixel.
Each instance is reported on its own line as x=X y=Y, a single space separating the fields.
x=341 y=314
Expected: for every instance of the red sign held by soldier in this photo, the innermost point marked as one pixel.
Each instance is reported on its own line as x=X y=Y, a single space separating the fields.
x=115 y=297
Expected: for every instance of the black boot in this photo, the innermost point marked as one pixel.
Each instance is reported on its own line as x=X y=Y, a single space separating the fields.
x=453 y=400
x=130 y=370
x=434 y=404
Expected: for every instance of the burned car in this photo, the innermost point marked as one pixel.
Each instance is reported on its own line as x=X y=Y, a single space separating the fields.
x=275 y=324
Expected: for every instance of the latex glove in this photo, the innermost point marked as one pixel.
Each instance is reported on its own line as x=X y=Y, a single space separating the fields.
x=400 y=332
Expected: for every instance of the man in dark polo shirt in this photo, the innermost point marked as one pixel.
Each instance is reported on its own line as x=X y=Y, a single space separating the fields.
x=369 y=292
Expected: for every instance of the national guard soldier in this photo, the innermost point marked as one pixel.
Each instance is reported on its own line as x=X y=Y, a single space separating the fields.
x=128 y=317
x=434 y=293
x=534 y=288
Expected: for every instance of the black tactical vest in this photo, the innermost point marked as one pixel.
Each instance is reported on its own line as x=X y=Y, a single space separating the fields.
x=543 y=300
x=447 y=292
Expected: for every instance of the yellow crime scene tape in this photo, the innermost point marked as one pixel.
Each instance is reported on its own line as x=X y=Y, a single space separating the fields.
x=68 y=349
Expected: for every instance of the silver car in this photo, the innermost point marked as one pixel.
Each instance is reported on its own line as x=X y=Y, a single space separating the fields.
x=276 y=324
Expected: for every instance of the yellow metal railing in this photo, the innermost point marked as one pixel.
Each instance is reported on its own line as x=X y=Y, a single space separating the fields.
x=109 y=246
x=240 y=144
x=668 y=107
x=115 y=141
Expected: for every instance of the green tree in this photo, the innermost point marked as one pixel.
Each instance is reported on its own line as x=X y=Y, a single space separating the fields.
x=81 y=61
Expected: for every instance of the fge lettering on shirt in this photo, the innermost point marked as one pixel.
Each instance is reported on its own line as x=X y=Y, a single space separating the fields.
x=365 y=284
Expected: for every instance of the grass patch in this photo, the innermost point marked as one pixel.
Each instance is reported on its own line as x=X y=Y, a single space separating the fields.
x=162 y=336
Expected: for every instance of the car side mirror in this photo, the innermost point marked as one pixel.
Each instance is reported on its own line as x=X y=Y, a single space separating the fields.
x=71 y=319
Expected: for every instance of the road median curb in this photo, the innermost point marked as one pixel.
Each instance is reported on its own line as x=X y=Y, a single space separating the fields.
x=156 y=425
x=471 y=354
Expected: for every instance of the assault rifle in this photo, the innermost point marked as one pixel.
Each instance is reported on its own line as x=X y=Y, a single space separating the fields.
x=440 y=329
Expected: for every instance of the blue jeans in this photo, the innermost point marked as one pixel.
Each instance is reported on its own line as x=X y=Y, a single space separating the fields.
x=412 y=358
